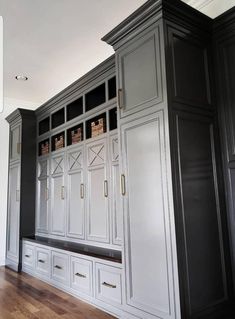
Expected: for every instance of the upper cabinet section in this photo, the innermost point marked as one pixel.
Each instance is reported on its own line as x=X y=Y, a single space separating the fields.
x=88 y=95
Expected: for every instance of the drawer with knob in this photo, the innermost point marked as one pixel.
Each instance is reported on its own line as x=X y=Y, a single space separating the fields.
x=81 y=275
x=60 y=267
x=108 y=284
x=43 y=261
x=28 y=256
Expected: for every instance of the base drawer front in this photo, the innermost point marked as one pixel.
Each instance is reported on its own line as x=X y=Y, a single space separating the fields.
x=108 y=284
x=28 y=256
x=43 y=261
x=60 y=267
x=81 y=275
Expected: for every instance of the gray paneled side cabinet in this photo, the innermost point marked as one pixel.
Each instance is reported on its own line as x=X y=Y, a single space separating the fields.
x=21 y=184
x=176 y=263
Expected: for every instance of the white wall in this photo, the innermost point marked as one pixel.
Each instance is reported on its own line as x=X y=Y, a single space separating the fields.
x=10 y=106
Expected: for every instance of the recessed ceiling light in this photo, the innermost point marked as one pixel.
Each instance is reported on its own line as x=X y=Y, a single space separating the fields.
x=21 y=78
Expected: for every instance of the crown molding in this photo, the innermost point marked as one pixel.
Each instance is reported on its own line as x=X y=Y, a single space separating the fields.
x=198 y=4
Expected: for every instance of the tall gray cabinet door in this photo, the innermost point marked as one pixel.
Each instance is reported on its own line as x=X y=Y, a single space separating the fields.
x=15 y=142
x=76 y=194
x=148 y=256
x=42 y=219
x=116 y=210
x=139 y=72
x=58 y=194
x=98 y=192
x=13 y=213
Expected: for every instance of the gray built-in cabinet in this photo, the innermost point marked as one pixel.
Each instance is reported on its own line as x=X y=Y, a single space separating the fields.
x=21 y=183
x=149 y=188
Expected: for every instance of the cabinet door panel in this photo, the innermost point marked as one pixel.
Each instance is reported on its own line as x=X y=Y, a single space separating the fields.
x=97 y=206
x=147 y=260
x=75 y=205
x=140 y=72
x=13 y=213
x=15 y=139
x=57 y=205
x=43 y=196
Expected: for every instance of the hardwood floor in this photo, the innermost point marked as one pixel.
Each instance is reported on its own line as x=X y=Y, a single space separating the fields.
x=23 y=296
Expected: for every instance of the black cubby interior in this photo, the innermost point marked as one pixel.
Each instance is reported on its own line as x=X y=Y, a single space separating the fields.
x=41 y=144
x=112 y=88
x=95 y=119
x=74 y=109
x=53 y=140
x=95 y=97
x=44 y=126
x=113 y=119
x=57 y=118
x=69 y=133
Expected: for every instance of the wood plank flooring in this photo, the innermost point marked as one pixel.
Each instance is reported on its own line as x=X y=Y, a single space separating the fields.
x=25 y=297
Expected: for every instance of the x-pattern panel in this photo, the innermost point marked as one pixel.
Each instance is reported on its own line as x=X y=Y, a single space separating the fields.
x=96 y=154
x=115 y=153
x=58 y=165
x=42 y=168
x=75 y=160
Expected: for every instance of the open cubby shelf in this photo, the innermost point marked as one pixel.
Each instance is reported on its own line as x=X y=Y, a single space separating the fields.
x=75 y=134
x=58 y=141
x=57 y=118
x=96 y=126
x=95 y=97
x=74 y=109
x=44 y=126
x=44 y=147
x=112 y=88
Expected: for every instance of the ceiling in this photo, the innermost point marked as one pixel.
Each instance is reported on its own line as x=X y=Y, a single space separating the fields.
x=55 y=42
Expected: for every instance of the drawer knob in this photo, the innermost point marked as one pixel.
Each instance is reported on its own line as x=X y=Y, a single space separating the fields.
x=27 y=256
x=41 y=261
x=108 y=285
x=80 y=275
x=58 y=267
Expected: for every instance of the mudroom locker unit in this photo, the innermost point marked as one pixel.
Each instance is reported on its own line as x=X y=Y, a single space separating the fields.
x=130 y=207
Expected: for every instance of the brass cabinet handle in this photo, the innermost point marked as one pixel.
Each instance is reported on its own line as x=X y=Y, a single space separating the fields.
x=120 y=98
x=27 y=256
x=80 y=275
x=82 y=191
x=109 y=285
x=58 y=267
x=47 y=194
x=123 y=185
x=62 y=193
x=18 y=147
x=41 y=261
x=17 y=195
x=105 y=188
